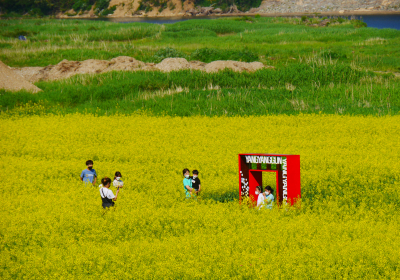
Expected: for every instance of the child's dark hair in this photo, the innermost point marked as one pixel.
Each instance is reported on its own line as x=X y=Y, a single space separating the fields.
x=268 y=188
x=195 y=172
x=89 y=162
x=185 y=170
x=117 y=174
x=260 y=188
x=105 y=181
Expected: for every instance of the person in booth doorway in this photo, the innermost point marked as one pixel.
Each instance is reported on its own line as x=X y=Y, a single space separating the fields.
x=107 y=196
x=268 y=197
x=260 y=197
x=89 y=175
x=187 y=183
x=196 y=182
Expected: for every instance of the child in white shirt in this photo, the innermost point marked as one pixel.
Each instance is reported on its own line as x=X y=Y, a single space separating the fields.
x=260 y=197
x=117 y=180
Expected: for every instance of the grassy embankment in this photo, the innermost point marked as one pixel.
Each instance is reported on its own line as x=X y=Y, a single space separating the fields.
x=317 y=69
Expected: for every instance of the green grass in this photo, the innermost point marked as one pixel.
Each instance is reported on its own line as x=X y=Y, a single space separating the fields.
x=297 y=88
x=274 y=41
x=327 y=70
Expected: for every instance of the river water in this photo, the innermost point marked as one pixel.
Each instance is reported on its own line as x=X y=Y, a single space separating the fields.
x=375 y=21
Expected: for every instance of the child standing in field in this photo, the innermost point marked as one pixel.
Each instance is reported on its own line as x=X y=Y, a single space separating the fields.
x=89 y=175
x=187 y=183
x=268 y=197
x=117 y=180
x=196 y=182
x=107 y=196
x=260 y=197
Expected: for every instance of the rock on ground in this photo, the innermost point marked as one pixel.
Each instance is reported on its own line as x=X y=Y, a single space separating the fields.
x=13 y=81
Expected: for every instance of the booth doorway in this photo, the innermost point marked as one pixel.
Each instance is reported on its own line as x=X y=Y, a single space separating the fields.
x=264 y=178
x=281 y=172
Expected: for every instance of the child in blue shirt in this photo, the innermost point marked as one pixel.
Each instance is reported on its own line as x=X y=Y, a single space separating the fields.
x=187 y=183
x=89 y=175
x=268 y=197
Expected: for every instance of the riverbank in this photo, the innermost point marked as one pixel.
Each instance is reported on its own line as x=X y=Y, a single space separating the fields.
x=195 y=8
x=265 y=14
x=121 y=8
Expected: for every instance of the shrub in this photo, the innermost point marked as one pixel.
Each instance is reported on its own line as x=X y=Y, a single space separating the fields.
x=102 y=4
x=358 y=23
x=167 y=53
x=245 y=18
x=108 y=11
x=171 y=6
x=36 y=12
x=212 y=54
x=163 y=6
x=101 y=8
x=82 y=5
x=142 y=6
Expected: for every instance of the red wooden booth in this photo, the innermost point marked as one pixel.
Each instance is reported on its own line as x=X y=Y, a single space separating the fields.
x=286 y=167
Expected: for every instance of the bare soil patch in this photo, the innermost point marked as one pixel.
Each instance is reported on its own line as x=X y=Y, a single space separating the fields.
x=13 y=81
x=66 y=68
x=237 y=66
x=173 y=64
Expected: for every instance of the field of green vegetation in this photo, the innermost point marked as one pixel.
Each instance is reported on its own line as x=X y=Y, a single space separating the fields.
x=342 y=68
x=274 y=41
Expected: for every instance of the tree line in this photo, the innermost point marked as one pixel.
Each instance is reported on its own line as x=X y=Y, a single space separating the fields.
x=52 y=7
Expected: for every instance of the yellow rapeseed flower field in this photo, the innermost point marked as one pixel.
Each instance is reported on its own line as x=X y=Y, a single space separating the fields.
x=53 y=227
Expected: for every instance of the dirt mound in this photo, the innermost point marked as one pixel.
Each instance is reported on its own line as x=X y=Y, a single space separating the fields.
x=237 y=66
x=62 y=70
x=29 y=73
x=66 y=69
x=13 y=81
x=92 y=66
x=125 y=63
x=197 y=65
x=173 y=64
